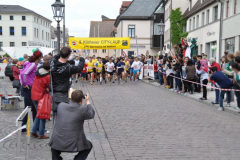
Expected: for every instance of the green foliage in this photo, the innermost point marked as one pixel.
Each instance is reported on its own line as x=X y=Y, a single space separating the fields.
x=6 y=55
x=177 y=24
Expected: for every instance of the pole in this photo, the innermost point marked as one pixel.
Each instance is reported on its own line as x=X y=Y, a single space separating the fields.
x=137 y=45
x=19 y=135
x=220 y=31
x=28 y=131
x=98 y=37
x=64 y=41
x=58 y=36
x=161 y=44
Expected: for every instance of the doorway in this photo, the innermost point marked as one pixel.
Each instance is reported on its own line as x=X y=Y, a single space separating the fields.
x=130 y=54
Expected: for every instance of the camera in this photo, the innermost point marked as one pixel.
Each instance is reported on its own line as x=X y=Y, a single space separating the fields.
x=84 y=95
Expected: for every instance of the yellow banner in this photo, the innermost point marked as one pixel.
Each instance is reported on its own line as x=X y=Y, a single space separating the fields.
x=99 y=43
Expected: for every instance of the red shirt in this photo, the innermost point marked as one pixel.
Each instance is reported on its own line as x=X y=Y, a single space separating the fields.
x=16 y=72
x=39 y=86
x=155 y=68
x=84 y=68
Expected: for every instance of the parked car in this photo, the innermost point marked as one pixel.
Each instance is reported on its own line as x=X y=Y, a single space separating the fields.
x=8 y=71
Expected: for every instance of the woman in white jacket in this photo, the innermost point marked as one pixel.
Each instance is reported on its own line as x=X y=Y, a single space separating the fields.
x=203 y=71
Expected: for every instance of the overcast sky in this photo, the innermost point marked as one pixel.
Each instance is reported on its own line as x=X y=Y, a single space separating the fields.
x=79 y=13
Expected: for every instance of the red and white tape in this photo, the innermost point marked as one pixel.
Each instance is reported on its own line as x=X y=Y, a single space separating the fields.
x=13 y=133
x=222 y=89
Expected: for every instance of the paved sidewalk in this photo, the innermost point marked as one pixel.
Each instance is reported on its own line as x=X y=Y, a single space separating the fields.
x=196 y=96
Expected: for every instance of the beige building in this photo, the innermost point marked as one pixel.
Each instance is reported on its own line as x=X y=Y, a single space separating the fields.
x=102 y=28
x=140 y=22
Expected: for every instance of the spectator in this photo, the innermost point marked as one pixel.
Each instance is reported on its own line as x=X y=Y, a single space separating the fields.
x=25 y=56
x=69 y=136
x=230 y=58
x=194 y=59
x=204 y=77
x=198 y=76
x=155 y=70
x=184 y=76
x=160 y=70
x=20 y=63
x=27 y=75
x=5 y=60
x=190 y=71
x=16 y=73
x=61 y=71
x=1 y=59
x=223 y=82
x=178 y=68
x=39 y=87
x=169 y=73
x=224 y=62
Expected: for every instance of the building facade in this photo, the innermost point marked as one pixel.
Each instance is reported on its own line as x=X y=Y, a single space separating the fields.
x=22 y=27
x=168 y=6
x=203 y=24
x=140 y=23
x=54 y=38
x=230 y=29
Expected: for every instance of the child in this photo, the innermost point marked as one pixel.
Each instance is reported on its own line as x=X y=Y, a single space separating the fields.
x=20 y=63
x=155 y=70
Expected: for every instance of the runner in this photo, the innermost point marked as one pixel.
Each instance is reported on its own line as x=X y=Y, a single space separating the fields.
x=104 y=71
x=115 y=72
x=84 y=73
x=120 y=67
x=99 y=67
x=126 y=69
x=76 y=64
x=137 y=66
x=94 y=69
x=131 y=69
x=90 y=70
x=109 y=67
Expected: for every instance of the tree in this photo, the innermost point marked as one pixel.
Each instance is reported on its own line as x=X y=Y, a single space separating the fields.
x=177 y=24
x=6 y=55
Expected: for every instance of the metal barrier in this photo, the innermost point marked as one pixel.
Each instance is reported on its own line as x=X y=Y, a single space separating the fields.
x=19 y=120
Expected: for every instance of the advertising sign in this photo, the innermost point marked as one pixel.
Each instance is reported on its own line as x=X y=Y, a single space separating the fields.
x=99 y=43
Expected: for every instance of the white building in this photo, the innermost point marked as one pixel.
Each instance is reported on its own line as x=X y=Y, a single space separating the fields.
x=230 y=29
x=140 y=21
x=169 y=5
x=22 y=27
x=203 y=24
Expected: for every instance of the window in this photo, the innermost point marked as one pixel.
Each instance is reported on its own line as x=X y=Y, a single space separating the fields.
x=0 y=17
x=24 y=31
x=34 y=19
x=12 y=44
x=197 y=24
x=11 y=18
x=46 y=36
x=37 y=33
x=1 y=44
x=41 y=21
x=23 y=18
x=203 y=18
x=12 y=31
x=104 y=51
x=230 y=45
x=193 y=22
x=37 y=20
x=0 y=30
x=190 y=25
x=42 y=34
x=24 y=43
x=131 y=31
x=235 y=7
x=215 y=9
x=207 y=18
x=94 y=51
x=227 y=9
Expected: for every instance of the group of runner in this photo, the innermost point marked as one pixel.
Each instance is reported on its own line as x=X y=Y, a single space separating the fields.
x=110 y=69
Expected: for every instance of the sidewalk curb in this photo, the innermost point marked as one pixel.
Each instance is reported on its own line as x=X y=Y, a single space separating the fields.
x=195 y=99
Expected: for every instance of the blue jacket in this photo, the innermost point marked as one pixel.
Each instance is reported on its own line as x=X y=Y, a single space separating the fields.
x=222 y=80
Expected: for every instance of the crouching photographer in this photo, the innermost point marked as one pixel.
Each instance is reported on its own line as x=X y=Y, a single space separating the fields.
x=68 y=134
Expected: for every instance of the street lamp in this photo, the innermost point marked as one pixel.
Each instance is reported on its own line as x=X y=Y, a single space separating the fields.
x=161 y=27
x=58 y=11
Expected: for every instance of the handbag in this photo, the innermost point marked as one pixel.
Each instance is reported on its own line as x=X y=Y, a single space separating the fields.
x=57 y=99
x=44 y=107
x=16 y=84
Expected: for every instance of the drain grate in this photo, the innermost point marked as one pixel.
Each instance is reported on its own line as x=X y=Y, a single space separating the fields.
x=95 y=136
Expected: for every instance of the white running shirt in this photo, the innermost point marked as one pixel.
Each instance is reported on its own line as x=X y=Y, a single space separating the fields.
x=136 y=65
x=110 y=66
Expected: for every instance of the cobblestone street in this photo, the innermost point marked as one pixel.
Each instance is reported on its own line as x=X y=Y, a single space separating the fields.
x=141 y=121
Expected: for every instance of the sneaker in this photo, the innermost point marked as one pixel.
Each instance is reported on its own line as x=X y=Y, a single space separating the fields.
x=35 y=135
x=178 y=92
x=43 y=137
x=109 y=84
x=100 y=82
x=136 y=80
x=91 y=83
x=113 y=81
x=168 y=87
x=228 y=105
x=214 y=102
x=202 y=99
x=105 y=81
x=76 y=81
x=221 y=109
x=236 y=107
x=24 y=130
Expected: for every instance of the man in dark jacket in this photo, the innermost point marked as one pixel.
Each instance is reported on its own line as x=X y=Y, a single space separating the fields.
x=68 y=133
x=61 y=71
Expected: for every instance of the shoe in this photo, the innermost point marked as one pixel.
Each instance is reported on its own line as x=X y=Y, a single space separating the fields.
x=101 y=82
x=236 y=107
x=202 y=99
x=24 y=130
x=43 y=137
x=168 y=87
x=35 y=135
x=214 y=102
x=136 y=80
x=228 y=105
x=109 y=84
x=105 y=81
x=113 y=81
x=91 y=83
x=221 y=109
x=76 y=81
x=178 y=92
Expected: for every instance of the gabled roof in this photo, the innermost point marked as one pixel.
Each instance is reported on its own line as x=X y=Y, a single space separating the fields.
x=17 y=9
x=139 y=10
x=105 y=28
x=197 y=7
x=124 y=5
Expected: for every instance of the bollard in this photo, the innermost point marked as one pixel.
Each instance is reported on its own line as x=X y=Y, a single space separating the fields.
x=19 y=136
x=28 y=131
